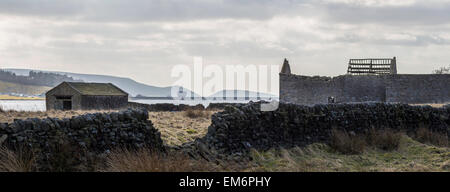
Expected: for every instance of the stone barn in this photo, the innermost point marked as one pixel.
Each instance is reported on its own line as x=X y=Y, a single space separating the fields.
x=86 y=96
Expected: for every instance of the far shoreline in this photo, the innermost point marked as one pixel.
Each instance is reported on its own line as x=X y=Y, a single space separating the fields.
x=18 y=98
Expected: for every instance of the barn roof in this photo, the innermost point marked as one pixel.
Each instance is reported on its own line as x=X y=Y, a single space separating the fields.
x=96 y=88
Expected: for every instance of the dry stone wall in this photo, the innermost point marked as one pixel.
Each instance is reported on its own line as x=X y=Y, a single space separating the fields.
x=172 y=107
x=242 y=127
x=94 y=133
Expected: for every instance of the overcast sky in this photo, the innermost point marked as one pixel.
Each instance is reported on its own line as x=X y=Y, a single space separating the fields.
x=143 y=39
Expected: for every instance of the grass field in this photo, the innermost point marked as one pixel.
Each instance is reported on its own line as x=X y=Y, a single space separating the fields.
x=411 y=156
x=7 y=87
x=10 y=97
x=179 y=127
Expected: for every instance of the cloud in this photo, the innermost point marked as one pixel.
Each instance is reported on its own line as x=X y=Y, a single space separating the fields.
x=145 y=10
x=404 y=12
x=144 y=39
x=418 y=13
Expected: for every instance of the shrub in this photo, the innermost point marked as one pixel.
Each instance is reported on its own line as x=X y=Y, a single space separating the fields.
x=196 y=113
x=345 y=143
x=63 y=158
x=425 y=135
x=191 y=131
x=385 y=139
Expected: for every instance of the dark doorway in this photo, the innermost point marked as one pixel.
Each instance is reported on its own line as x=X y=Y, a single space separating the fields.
x=67 y=105
x=63 y=102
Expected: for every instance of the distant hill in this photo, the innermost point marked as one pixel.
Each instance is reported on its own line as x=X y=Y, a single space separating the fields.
x=132 y=87
x=129 y=85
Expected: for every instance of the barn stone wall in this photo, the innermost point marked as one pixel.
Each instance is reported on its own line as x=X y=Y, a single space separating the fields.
x=308 y=90
x=83 y=102
x=63 y=90
x=95 y=102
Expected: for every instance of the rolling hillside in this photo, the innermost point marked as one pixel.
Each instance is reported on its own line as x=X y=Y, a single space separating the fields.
x=7 y=87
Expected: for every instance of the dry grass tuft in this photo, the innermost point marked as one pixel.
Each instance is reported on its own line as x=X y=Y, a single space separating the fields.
x=282 y=160
x=386 y=139
x=16 y=161
x=445 y=166
x=425 y=135
x=345 y=143
x=145 y=160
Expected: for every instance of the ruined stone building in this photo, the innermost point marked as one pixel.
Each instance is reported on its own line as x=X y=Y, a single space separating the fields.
x=367 y=80
x=85 y=96
x=372 y=66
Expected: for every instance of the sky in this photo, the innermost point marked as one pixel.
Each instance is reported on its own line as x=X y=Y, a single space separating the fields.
x=145 y=39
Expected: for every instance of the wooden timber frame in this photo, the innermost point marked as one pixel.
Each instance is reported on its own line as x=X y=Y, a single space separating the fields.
x=380 y=66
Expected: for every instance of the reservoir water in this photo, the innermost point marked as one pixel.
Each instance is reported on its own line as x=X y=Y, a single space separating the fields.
x=39 y=105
